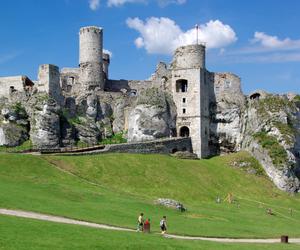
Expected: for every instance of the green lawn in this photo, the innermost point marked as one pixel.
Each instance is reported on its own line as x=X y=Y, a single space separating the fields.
x=27 y=234
x=115 y=188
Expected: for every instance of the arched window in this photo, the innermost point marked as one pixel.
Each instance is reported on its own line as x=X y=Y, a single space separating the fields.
x=184 y=132
x=181 y=85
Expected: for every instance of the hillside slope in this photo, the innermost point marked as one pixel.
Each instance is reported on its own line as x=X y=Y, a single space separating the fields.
x=114 y=188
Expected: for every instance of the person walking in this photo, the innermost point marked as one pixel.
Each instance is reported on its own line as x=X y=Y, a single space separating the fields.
x=147 y=226
x=140 y=225
x=163 y=225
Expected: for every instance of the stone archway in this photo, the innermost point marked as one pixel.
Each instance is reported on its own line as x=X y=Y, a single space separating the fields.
x=184 y=131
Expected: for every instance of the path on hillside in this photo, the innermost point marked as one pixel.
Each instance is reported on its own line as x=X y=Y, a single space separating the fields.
x=58 y=219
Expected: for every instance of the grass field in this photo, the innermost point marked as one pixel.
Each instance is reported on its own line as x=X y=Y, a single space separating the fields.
x=114 y=188
x=26 y=234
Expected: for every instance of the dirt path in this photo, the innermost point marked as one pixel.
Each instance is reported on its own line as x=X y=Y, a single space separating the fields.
x=58 y=219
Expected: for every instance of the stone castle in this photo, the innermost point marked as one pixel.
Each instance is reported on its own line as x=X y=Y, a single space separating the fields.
x=182 y=99
x=186 y=79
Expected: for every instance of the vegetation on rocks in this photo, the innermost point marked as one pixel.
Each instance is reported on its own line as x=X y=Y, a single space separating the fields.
x=277 y=153
x=24 y=146
x=287 y=130
x=272 y=104
x=115 y=139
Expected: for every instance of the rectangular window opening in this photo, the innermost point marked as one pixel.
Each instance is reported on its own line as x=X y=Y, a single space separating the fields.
x=183 y=111
x=183 y=100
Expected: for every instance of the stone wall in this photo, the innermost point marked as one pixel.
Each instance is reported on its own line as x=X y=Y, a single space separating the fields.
x=49 y=81
x=12 y=81
x=69 y=79
x=163 y=146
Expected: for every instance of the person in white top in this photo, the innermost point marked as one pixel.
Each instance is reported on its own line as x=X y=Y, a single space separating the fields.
x=140 y=225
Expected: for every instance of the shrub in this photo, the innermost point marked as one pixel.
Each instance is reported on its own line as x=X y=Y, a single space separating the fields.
x=277 y=153
x=115 y=139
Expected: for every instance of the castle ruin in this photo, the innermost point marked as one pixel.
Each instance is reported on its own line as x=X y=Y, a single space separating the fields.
x=186 y=79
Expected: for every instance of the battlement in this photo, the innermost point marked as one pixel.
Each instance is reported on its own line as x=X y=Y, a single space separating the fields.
x=90 y=29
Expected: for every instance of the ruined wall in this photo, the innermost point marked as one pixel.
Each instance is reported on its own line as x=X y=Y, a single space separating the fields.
x=91 y=58
x=49 y=81
x=12 y=81
x=163 y=146
x=106 y=62
x=69 y=78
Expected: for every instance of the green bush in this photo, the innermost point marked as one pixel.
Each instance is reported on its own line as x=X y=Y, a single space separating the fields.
x=24 y=146
x=270 y=143
x=115 y=139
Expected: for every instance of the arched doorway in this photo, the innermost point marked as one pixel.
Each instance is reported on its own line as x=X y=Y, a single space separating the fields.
x=184 y=132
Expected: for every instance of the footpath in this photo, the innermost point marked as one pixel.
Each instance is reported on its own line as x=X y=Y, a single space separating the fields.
x=58 y=219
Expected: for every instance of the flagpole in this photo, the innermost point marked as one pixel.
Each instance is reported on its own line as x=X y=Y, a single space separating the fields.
x=197 y=30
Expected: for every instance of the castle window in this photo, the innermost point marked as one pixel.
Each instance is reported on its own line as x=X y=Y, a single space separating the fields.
x=227 y=84
x=184 y=131
x=181 y=85
x=183 y=100
x=183 y=111
x=71 y=80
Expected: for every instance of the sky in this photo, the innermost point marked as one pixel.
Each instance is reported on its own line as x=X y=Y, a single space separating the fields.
x=259 y=40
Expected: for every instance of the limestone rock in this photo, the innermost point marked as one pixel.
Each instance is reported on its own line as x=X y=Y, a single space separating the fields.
x=45 y=124
x=171 y=204
x=13 y=125
x=185 y=155
x=12 y=135
x=88 y=132
x=153 y=117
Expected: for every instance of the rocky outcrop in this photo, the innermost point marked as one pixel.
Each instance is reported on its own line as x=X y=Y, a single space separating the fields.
x=153 y=117
x=44 y=122
x=282 y=176
x=170 y=204
x=226 y=108
x=14 y=125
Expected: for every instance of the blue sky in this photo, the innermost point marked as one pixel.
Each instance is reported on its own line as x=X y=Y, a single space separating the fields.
x=257 y=40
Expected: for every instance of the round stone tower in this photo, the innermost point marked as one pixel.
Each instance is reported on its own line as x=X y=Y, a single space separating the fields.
x=190 y=56
x=91 y=58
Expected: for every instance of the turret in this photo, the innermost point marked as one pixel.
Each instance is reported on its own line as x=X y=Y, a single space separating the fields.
x=190 y=56
x=91 y=58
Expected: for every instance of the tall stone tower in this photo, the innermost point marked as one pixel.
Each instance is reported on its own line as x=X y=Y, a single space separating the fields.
x=190 y=93
x=91 y=58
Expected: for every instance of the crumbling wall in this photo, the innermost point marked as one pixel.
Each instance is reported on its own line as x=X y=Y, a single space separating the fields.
x=49 y=82
x=11 y=83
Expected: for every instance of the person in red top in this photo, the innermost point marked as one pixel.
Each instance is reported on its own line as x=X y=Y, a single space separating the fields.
x=147 y=226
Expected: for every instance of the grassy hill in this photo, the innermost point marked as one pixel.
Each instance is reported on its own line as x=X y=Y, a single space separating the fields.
x=114 y=188
x=26 y=234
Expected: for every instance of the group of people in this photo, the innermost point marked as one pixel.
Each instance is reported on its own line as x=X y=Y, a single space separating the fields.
x=143 y=224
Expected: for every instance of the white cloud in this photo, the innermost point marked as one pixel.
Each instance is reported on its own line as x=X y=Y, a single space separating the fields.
x=94 y=4
x=118 y=3
x=106 y=51
x=161 y=3
x=8 y=57
x=273 y=42
x=265 y=48
x=164 y=3
x=163 y=35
